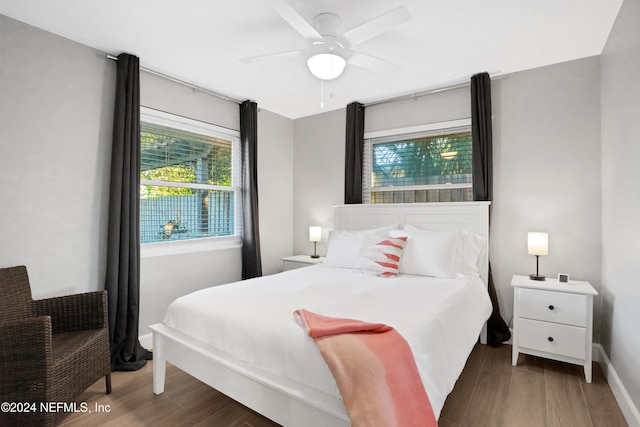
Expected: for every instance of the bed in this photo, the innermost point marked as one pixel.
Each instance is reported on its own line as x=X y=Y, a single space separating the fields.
x=242 y=338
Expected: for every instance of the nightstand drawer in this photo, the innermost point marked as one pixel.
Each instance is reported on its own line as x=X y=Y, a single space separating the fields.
x=299 y=261
x=557 y=307
x=552 y=338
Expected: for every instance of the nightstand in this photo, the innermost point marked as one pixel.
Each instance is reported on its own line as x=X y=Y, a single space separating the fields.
x=553 y=320
x=299 y=261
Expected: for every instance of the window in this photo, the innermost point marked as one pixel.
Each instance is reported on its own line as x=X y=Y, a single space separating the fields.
x=188 y=185
x=430 y=163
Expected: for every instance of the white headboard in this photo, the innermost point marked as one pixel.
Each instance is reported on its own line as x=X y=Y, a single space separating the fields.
x=471 y=216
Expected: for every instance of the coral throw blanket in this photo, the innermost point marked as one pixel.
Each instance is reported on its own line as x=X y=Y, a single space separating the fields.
x=374 y=369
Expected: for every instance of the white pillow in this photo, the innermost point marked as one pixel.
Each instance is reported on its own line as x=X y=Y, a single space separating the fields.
x=429 y=253
x=343 y=247
x=471 y=253
x=471 y=249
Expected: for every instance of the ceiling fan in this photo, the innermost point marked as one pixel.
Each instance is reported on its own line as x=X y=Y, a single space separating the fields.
x=329 y=52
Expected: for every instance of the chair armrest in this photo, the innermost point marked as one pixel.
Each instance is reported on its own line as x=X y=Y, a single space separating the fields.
x=25 y=353
x=75 y=312
x=25 y=338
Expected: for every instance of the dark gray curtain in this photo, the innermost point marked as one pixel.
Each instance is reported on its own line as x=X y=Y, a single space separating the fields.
x=482 y=137
x=482 y=142
x=354 y=141
x=251 y=261
x=123 y=240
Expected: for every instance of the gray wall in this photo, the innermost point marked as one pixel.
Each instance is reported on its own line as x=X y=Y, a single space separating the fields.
x=275 y=188
x=439 y=107
x=621 y=198
x=318 y=175
x=56 y=114
x=546 y=168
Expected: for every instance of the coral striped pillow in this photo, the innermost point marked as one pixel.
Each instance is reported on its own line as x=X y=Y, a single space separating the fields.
x=383 y=257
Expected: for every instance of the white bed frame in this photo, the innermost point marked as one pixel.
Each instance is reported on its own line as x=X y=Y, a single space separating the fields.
x=287 y=403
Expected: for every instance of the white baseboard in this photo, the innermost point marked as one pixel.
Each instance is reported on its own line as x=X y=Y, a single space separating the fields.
x=629 y=410
x=146 y=341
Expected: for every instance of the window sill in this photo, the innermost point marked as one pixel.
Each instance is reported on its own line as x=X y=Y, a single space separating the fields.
x=177 y=247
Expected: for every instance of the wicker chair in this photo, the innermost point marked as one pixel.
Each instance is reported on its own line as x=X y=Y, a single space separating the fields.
x=51 y=350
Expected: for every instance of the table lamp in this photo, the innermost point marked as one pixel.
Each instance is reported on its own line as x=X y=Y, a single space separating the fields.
x=538 y=244
x=315 y=235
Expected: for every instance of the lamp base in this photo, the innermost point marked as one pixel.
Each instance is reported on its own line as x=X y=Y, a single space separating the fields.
x=536 y=277
x=314 y=256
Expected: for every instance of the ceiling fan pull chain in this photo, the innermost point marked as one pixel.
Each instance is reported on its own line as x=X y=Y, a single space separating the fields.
x=321 y=93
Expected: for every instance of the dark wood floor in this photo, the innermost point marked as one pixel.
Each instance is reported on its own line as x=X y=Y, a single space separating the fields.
x=490 y=392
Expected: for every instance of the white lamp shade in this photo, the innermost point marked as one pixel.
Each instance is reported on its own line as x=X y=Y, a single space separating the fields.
x=538 y=243
x=326 y=66
x=315 y=233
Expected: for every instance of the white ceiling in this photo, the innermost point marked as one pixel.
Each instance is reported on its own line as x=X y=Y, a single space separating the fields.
x=201 y=41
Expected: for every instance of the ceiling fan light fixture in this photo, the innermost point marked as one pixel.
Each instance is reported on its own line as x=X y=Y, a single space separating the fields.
x=326 y=66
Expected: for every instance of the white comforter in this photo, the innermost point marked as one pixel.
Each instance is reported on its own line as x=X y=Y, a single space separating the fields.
x=253 y=321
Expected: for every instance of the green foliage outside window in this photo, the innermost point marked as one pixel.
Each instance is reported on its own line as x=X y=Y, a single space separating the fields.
x=198 y=159
x=423 y=161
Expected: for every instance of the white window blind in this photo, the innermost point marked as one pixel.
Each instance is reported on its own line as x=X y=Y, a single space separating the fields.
x=187 y=182
x=425 y=166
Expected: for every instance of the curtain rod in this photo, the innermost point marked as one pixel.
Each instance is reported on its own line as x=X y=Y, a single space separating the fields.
x=425 y=92
x=417 y=94
x=182 y=82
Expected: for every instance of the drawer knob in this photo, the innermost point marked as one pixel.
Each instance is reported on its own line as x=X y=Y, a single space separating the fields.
x=550 y=339
x=551 y=307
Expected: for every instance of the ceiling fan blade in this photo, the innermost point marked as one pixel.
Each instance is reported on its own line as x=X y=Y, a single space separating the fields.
x=278 y=55
x=371 y=63
x=294 y=19
x=377 y=26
